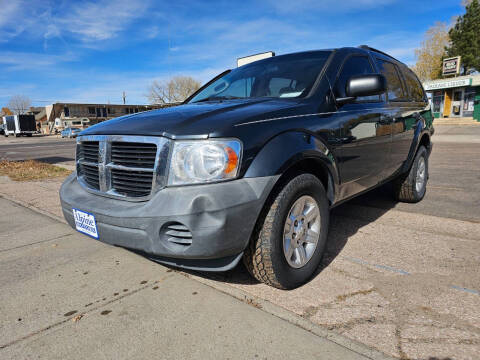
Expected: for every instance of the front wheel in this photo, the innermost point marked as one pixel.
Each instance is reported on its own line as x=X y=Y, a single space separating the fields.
x=412 y=186
x=289 y=241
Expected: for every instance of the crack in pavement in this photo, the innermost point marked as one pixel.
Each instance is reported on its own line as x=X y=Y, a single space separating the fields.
x=37 y=242
x=74 y=315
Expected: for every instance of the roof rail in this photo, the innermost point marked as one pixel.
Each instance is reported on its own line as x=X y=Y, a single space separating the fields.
x=366 y=47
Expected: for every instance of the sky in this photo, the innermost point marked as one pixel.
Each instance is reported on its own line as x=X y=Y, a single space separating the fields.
x=92 y=51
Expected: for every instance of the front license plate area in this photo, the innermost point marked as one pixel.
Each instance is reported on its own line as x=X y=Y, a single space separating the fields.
x=85 y=223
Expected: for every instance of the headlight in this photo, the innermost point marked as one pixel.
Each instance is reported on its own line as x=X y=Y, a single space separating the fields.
x=204 y=161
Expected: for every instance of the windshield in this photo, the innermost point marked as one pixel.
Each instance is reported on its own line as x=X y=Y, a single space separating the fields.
x=286 y=76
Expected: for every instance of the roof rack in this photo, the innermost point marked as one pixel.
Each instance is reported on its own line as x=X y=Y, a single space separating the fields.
x=366 y=47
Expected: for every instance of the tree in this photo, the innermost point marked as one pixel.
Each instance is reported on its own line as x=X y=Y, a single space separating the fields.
x=431 y=53
x=465 y=37
x=175 y=90
x=19 y=104
x=6 y=111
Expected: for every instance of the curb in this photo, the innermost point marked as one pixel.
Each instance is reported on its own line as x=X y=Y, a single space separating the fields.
x=33 y=208
x=293 y=318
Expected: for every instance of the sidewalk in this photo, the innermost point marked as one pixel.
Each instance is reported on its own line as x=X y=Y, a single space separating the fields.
x=66 y=296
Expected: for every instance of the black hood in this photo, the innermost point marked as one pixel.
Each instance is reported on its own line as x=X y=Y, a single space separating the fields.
x=197 y=119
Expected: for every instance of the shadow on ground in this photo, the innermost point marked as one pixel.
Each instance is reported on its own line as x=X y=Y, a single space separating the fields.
x=54 y=159
x=378 y=202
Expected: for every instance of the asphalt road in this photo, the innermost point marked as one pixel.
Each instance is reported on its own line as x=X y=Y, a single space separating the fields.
x=50 y=149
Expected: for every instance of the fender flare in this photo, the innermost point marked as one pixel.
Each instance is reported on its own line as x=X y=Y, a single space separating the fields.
x=420 y=130
x=289 y=148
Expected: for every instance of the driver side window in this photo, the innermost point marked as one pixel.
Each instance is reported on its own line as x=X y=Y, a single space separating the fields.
x=354 y=65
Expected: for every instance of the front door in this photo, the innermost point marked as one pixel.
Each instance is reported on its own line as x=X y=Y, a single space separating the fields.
x=366 y=132
x=457 y=103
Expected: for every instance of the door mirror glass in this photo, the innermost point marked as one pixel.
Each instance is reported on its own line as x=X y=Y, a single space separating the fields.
x=366 y=85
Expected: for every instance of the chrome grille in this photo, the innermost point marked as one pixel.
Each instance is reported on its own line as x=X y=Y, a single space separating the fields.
x=132 y=183
x=128 y=167
x=134 y=154
x=88 y=151
x=90 y=174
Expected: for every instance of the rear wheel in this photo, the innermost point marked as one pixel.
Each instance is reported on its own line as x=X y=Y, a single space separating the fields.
x=288 y=243
x=412 y=186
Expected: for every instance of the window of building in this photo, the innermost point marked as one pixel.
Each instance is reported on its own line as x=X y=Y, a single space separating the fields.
x=111 y=110
x=394 y=83
x=354 y=65
x=66 y=111
x=91 y=110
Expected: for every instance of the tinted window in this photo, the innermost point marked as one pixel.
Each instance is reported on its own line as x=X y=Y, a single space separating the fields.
x=394 y=84
x=290 y=75
x=354 y=65
x=414 y=87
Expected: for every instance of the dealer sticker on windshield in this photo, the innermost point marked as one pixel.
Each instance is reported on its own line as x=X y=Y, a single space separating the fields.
x=85 y=223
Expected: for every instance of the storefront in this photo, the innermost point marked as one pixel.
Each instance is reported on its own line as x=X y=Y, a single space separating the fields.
x=457 y=97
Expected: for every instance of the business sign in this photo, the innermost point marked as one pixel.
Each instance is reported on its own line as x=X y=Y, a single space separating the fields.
x=249 y=59
x=451 y=66
x=447 y=84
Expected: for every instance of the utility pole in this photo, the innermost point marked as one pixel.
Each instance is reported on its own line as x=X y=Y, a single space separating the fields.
x=124 y=98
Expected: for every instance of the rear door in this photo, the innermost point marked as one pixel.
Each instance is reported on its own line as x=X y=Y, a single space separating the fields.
x=366 y=130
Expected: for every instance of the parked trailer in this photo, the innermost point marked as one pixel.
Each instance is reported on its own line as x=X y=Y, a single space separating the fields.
x=19 y=125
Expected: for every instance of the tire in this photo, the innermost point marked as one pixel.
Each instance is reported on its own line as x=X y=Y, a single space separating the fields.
x=406 y=188
x=266 y=256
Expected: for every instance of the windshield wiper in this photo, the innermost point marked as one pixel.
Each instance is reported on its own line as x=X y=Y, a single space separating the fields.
x=212 y=98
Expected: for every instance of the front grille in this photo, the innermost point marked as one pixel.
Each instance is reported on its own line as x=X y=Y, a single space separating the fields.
x=122 y=166
x=88 y=151
x=134 y=154
x=90 y=174
x=132 y=183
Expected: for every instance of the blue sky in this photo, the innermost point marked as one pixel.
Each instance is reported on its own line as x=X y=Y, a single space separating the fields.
x=91 y=51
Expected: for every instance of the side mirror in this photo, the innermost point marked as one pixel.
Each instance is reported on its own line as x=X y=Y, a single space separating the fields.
x=366 y=85
x=363 y=85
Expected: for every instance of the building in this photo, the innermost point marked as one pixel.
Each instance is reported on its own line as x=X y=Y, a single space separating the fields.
x=63 y=115
x=457 y=97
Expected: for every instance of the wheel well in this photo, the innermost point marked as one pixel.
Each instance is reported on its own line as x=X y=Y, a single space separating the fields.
x=311 y=166
x=425 y=141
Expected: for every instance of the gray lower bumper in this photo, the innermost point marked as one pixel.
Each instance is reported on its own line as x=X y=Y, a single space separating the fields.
x=219 y=216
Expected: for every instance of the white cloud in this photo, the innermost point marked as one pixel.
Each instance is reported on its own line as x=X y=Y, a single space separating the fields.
x=16 y=61
x=101 y=20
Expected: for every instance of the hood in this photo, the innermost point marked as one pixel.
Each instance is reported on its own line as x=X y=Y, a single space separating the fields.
x=197 y=119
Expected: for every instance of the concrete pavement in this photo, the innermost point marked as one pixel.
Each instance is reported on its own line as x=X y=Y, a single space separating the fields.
x=66 y=296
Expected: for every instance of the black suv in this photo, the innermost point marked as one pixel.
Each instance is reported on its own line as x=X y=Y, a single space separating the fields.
x=251 y=164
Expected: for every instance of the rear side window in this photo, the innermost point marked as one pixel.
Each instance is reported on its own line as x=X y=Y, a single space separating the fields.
x=354 y=65
x=394 y=83
x=414 y=87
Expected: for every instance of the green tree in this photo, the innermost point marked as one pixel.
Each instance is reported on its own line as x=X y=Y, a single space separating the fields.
x=465 y=37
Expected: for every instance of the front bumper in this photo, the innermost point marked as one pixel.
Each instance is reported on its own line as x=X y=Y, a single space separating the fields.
x=219 y=216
